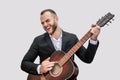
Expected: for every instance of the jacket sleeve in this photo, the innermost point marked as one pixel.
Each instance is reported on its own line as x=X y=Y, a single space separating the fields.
x=27 y=63
x=87 y=54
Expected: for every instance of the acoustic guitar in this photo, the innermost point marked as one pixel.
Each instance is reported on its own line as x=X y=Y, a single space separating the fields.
x=65 y=68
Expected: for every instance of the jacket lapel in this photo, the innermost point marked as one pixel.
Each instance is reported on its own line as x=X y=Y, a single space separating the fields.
x=48 y=40
x=63 y=40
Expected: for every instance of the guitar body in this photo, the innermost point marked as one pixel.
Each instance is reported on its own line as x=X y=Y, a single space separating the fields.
x=68 y=71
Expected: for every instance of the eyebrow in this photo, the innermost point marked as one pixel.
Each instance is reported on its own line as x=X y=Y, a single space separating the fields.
x=45 y=21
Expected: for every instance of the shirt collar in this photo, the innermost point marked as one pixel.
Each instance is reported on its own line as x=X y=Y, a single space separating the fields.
x=58 y=38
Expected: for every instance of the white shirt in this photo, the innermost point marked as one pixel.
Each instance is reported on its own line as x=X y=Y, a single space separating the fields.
x=57 y=42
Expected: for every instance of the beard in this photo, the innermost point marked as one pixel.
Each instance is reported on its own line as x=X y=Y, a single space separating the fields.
x=54 y=27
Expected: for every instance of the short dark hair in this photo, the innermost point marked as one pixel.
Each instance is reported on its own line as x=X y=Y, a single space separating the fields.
x=49 y=10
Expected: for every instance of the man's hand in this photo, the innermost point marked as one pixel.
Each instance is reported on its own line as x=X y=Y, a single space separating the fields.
x=95 y=30
x=46 y=65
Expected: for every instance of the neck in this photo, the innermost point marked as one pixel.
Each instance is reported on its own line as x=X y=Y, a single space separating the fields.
x=57 y=33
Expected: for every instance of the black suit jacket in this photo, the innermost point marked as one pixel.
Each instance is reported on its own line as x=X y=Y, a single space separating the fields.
x=42 y=46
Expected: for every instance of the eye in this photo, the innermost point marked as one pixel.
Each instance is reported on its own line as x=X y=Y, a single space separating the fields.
x=42 y=23
x=47 y=20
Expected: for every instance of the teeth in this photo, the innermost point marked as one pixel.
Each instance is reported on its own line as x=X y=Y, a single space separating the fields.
x=47 y=28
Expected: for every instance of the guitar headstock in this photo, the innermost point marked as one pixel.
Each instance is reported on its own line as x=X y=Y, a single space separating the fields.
x=104 y=20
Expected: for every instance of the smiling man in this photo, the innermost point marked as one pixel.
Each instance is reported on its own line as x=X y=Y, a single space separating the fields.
x=56 y=39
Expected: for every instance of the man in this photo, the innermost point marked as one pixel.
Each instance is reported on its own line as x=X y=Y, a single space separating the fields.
x=56 y=39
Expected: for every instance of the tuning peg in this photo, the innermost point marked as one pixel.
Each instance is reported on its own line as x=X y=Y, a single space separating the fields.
x=110 y=21
x=107 y=24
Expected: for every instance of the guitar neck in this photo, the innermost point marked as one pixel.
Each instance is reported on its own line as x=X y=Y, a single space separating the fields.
x=101 y=22
x=75 y=48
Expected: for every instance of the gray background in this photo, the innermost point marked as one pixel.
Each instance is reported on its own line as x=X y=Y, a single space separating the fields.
x=19 y=24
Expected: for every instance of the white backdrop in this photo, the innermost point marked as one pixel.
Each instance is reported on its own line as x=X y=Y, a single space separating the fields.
x=19 y=24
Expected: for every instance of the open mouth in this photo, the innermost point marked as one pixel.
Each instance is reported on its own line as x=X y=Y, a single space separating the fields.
x=48 y=28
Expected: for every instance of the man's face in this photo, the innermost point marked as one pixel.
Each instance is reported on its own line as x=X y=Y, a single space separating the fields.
x=49 y=22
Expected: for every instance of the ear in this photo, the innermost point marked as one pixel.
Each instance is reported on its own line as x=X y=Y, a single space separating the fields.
x=56 y=18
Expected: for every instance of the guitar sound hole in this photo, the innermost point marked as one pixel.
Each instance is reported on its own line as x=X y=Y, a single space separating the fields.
x=56 y=71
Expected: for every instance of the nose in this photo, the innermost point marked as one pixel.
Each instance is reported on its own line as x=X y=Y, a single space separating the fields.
x=45 y=24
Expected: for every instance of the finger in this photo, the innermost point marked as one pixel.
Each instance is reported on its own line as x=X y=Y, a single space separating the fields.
x=50 y=68
x=47 y=59
x=50 y=64
x=47 y=63
x=98 y=27
x=93 y=25
x=92 y=31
